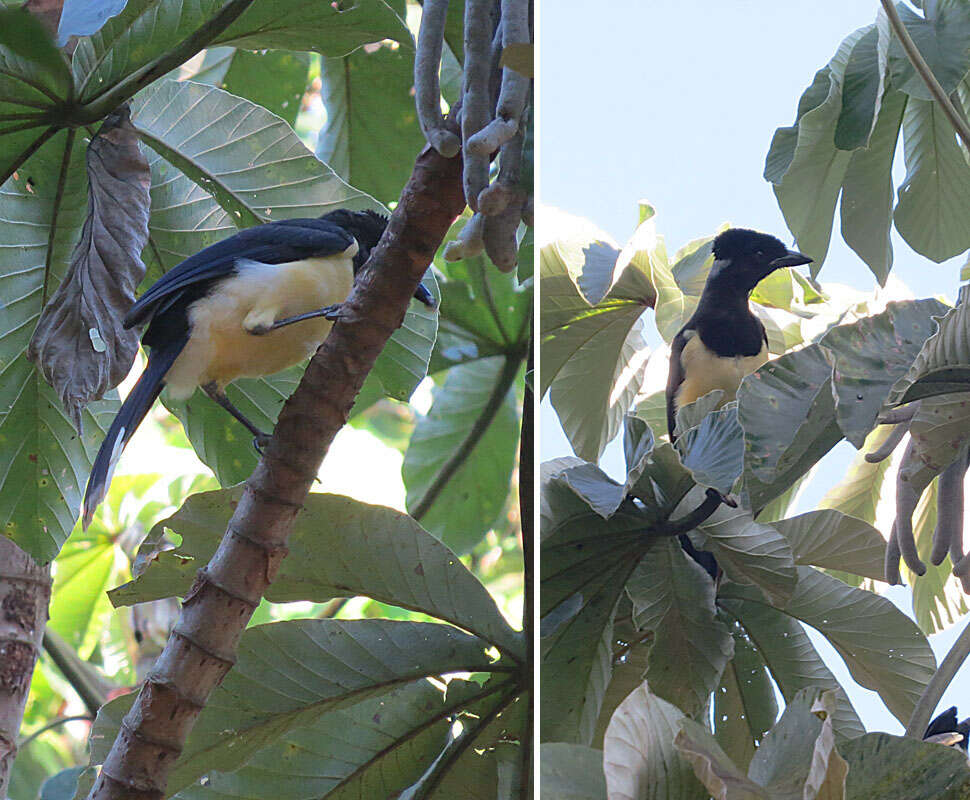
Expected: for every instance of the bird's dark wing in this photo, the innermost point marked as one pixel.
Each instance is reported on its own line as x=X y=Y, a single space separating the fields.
x=943 y=723
x=273 y=243
x=675 y=377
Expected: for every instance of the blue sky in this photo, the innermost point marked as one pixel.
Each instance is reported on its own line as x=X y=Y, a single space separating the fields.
x=676 y=103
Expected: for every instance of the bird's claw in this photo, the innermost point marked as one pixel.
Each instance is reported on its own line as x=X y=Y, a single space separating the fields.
x=260 y=442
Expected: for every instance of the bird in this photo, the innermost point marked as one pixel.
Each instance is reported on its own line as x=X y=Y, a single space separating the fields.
x=250 y=305
x=723 y=341
x=945 y=729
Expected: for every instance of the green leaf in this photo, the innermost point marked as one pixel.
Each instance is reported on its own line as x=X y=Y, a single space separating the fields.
x=883 y=649
x=942 y=365
x=247 y=158
x=339 y=547
x=713 y=450
x=868 y=356
x=720 y=776
x=377 y=746
x=594 y=354
x=744 y=704
x=858 y=493
x=830 y=539
x=941 y=41
x=456 y=471
x=786 y=649
x=798 y=758
x=586 y=561
x=674 y=598
x=750 y=551
x=897 y=768
x=46 y=463
x=371 y=135
x=145 y=32
x=934 y=200
x=805 y=166
x=788 y=416
x=639 y=756
x=571 y=772
x=85 y=566
x=862 y=87
x=867 y=191
x=273 y=79
x=334 y=664
x=34 y=81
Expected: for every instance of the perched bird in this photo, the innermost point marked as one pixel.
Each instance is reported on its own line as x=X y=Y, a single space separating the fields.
x=253 y=304
x=946 y=730
x=723 y=341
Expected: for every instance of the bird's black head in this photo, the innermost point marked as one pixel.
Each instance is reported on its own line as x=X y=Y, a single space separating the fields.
x=743 y=257
x=366 y=227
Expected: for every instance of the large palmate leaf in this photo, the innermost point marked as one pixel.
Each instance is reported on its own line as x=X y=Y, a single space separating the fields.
x=882 y=647
x=371 y=134
x=339 y=547
x=248 y=159
x=46 y=462
x=788 y=416
x=797 y=758
x=586 y=562
x=805 y=166
x=901 y=768
x=869 y=355
x=379 y=745
x=941 y=38
x=744 y=704
x=789 y=654
x=330 y=664
x=828 y=538
x=933 y=202
x=571 y=772
x=593 y=350
x=721 y=778
x=639 y=756
x=34 y=80
x=674 y=598
x=459 y=463
x=273 y=79
x=943 y=364
x=144 y=33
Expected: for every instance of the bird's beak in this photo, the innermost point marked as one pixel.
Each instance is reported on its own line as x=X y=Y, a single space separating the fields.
x=791 y=259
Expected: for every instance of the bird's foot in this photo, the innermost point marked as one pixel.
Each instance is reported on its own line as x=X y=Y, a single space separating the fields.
x=260 y=440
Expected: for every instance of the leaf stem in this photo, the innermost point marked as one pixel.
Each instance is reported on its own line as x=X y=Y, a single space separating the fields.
x=53 y=724
x=919 y=64
x=104 y=103
x=464 y=450
x=688 y=522
x=938 y=684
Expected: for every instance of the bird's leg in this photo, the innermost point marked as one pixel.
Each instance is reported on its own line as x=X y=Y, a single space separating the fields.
x=261 y=438
x=328 y=312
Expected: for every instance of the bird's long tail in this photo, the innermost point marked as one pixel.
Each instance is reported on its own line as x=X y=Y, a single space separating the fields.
x=137 y=404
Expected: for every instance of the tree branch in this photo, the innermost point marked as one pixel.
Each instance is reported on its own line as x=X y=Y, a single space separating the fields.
x=25 y=591
x=938 y=684
x=919 y=64
x=202 y=646
x=688 y=522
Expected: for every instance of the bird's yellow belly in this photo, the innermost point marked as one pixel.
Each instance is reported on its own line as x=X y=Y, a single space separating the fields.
x=221 y=348
x=705 y=371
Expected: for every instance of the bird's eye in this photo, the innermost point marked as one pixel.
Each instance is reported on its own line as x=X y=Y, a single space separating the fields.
x=760 y=253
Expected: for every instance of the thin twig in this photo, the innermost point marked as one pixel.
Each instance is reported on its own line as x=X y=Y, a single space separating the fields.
x=464 y=450
x=919 y=64
x=53 y=724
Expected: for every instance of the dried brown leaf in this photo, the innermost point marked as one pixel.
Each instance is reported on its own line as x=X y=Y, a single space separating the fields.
x=79 y=344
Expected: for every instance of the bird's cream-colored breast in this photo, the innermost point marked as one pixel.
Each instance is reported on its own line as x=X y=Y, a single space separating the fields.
x=705 y=371
x=221 y=348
